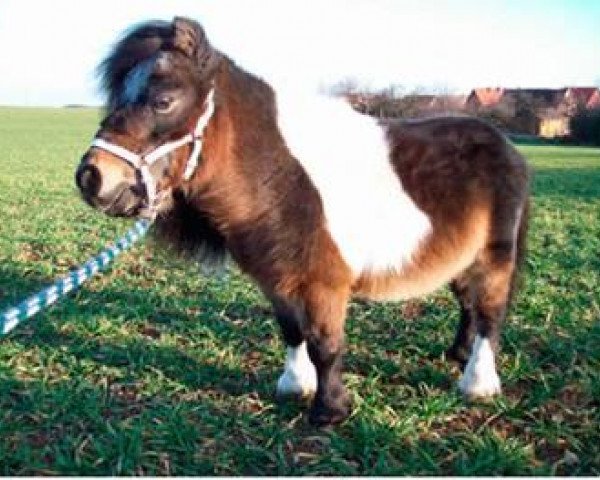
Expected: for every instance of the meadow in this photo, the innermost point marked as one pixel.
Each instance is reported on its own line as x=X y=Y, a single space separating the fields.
x=154 y=368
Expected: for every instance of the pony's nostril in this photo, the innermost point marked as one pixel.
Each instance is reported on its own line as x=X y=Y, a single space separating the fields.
x=88 y=180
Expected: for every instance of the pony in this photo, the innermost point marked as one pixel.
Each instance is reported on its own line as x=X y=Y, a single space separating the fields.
x=315 y=202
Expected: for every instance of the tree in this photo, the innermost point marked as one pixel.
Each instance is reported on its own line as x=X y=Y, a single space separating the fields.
x=585 y=126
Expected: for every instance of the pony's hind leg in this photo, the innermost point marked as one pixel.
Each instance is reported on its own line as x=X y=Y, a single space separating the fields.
x=299 y=378
x=465 y=333
x=490 y=281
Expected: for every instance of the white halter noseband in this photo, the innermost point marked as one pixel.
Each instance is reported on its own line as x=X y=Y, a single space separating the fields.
x=142 y=163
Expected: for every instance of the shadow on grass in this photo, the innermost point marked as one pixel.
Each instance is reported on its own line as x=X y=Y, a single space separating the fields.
x=135 y=308
x=200 y=371
x=138 y=356
x=18 y=282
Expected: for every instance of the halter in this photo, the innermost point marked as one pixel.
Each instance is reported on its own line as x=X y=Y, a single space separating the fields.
x=142 y=163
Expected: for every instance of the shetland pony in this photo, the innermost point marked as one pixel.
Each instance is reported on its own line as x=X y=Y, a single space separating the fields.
x=315 y=202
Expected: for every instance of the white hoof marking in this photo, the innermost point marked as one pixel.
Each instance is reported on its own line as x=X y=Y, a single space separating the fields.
x=480 y=378
x=299 y=378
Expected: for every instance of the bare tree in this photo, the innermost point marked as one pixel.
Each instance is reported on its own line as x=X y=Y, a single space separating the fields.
x=396 y=100
x=344 y=87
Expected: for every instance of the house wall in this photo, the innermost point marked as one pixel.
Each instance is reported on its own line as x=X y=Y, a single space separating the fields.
x=554 y=127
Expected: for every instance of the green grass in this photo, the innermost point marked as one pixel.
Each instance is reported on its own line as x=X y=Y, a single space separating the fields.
x=153 y=368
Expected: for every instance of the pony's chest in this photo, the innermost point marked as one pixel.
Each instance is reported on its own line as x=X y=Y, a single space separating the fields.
x=370 y=217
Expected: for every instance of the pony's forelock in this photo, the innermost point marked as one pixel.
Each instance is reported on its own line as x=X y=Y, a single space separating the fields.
x=136 y=45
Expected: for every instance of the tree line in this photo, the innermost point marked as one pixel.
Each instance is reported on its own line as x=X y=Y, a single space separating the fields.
x=398 y=101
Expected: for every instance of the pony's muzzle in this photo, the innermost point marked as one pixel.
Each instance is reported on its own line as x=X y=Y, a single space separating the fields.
x=108 y=189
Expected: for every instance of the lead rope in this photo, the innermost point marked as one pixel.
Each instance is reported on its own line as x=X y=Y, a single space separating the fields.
x=11 y=317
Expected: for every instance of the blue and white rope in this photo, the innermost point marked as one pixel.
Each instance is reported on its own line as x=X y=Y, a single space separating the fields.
x=11 y=317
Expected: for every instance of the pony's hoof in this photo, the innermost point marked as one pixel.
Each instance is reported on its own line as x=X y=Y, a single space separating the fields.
x=478 y=387
x=294 y=387
x=322 y=415
x=324 y=418
x=480 y=379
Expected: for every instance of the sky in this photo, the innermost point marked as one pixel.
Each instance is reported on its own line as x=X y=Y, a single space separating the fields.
x=49 y=49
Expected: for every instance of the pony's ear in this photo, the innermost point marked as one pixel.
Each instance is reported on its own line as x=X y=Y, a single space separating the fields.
x=189 y=38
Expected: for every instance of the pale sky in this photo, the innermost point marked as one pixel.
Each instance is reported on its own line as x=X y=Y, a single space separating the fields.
x=49 y=49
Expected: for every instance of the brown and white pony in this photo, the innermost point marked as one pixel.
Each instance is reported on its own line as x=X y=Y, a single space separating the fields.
x=315 y=202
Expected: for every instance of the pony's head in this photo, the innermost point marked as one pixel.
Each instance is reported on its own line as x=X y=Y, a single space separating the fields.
x=159 y=85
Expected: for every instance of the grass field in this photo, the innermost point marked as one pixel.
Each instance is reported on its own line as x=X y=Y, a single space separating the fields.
x=153 y=368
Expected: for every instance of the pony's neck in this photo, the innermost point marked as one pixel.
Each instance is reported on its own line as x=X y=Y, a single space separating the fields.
x=243 y=150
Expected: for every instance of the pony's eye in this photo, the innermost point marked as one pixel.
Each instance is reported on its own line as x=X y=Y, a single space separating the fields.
x=162 y=104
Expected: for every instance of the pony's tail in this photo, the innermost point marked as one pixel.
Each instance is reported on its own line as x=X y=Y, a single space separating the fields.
x=517 y=278
x=522 y=235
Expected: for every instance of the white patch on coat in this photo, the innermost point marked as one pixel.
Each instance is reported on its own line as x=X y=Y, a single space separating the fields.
x=136 y=81
x=480 y=378
x=375 y=224
x=300 y=376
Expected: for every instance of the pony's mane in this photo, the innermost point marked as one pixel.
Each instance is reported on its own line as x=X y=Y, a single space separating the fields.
x=186 y=231
x=137 y=44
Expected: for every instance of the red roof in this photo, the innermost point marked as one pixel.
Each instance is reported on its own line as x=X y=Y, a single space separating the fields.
x=488 y=96
x=581 y=94
x=594 y=100
x=585 y=96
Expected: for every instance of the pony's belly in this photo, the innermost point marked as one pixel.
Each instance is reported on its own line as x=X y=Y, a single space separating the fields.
x=404 y=285
x=430 y=269
x=387 y=287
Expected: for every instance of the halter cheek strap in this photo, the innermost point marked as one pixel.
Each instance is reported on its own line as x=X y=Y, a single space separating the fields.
x=142 y=163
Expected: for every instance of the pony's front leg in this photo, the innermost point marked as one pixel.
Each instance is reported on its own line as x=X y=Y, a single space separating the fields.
x=326 y=313
x=299 y=378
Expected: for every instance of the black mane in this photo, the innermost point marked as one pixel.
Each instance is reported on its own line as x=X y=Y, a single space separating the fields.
x=137 y=44
x=189 y=232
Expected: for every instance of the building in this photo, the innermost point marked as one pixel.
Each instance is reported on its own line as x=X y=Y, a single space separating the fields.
x=544 y=112
x=533 y=111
